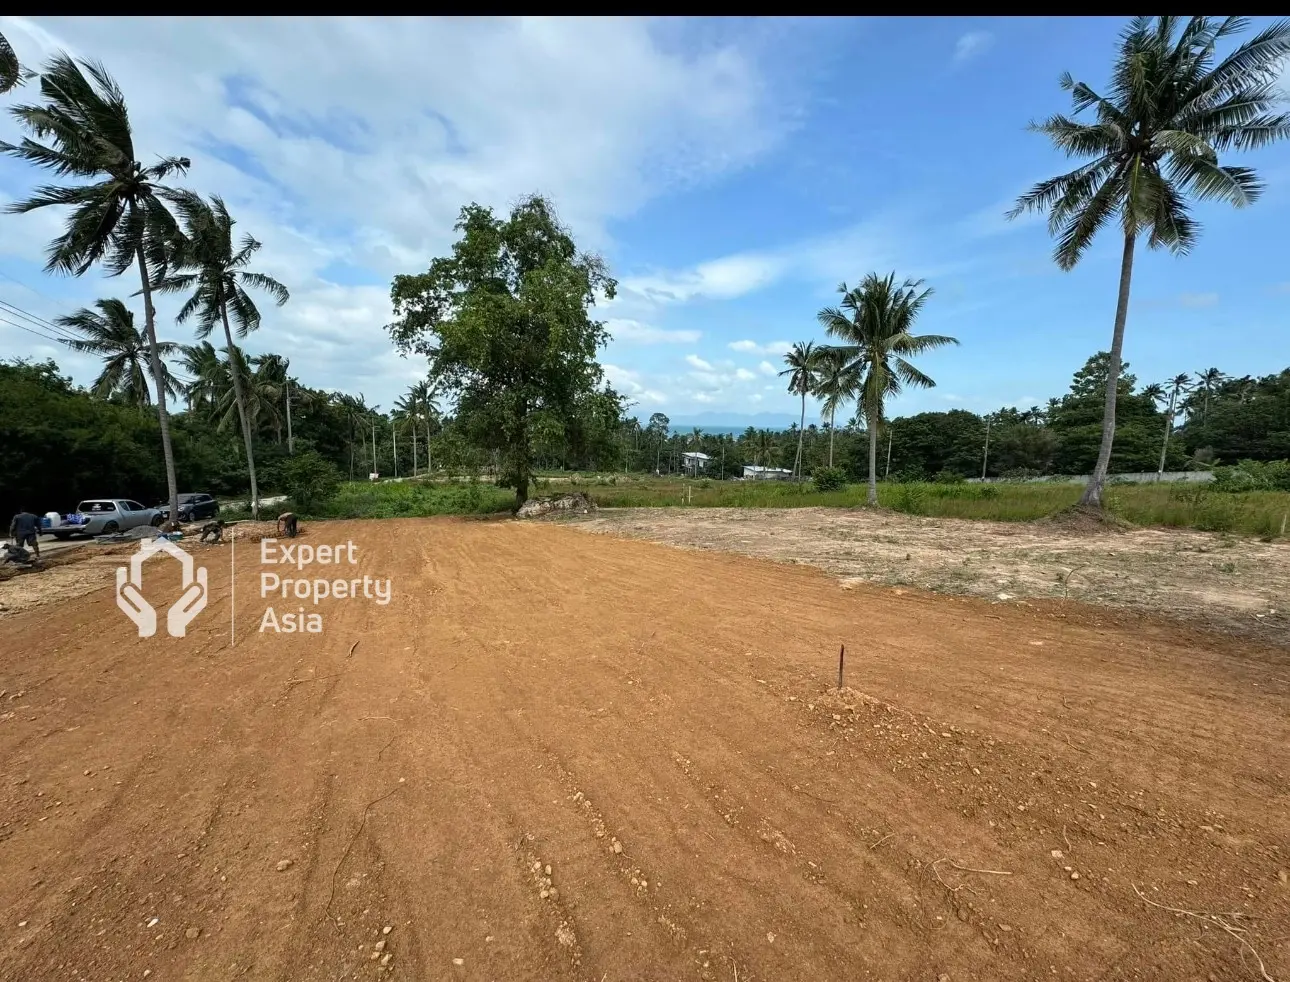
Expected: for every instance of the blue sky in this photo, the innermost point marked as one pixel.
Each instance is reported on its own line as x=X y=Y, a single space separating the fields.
x=733 y=172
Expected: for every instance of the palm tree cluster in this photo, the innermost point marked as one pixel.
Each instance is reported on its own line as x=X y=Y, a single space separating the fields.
x=120 y=217
x=870 y=362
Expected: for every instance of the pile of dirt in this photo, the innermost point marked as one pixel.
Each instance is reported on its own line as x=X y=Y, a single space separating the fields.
x=1085 y=520
x=576 y=503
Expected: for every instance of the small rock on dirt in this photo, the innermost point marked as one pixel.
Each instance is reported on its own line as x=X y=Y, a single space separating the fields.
x=283 y=865
x=192 y=932
x=617 y=846
x=387 y=929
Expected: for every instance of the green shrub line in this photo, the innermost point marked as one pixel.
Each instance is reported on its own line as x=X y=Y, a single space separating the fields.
x=1221 y=506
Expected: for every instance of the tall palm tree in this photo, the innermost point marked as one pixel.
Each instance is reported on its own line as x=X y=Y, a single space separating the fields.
x=209 y=374
x=110 y=333
x=1207 y=381
x=216 y=273
x=1177 y=384
x=1153 y=392
x=1155 y=140
x=427 y=392
x=268 y=385
x=82 y=130
x=874 y=325
x=407 y=410
x=764 y=446
x=803 y=361
x=838 y=384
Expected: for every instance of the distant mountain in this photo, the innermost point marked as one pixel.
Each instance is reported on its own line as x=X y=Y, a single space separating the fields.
x=723 y=422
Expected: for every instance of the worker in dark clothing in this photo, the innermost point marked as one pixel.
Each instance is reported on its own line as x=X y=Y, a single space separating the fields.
x=214 y=531
x=25 y=530
x=288 y=524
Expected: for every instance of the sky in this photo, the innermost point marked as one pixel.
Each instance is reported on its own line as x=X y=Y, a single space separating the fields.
x=732 y=172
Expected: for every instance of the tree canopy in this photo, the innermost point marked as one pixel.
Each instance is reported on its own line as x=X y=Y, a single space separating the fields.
x=505 y=323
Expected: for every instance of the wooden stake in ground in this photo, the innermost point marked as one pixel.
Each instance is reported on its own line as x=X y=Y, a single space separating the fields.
x=842 y=657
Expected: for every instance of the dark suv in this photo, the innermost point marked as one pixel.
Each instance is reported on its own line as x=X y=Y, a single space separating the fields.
x=192 y=507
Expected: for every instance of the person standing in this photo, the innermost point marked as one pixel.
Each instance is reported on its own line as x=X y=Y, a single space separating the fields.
x=25 y=530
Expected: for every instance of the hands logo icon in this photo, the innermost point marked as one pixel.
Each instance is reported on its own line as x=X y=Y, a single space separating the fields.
x=189 y=605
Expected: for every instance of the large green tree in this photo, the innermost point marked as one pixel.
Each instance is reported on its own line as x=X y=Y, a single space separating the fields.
x=874 y=326
x=109 y=333
x=1171 y=109
x=505 y=322
x=81 y=129
x=213 y=271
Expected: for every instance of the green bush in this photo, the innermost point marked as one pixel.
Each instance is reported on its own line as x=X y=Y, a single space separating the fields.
x=1253 y=475
x=309 y=479
x=950 y=477
x=829 y=478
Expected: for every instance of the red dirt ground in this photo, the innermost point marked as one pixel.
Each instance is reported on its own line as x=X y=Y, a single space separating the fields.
x=659 y=727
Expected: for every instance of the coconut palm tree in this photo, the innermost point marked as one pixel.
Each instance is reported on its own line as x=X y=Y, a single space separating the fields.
x=1207 y=381
x=874 y=324
x=209 y=375
x=803 y=361
x=1155 y=140
x=1153 y=392
x=110 y=333
x=1177 y=384
x=407 y=410
x=763 y=447
x=427 y=393
x=838 y=384
x=207 y=264
x=118 y=218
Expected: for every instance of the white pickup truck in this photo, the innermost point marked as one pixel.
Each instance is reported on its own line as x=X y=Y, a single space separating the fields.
x=102 y=516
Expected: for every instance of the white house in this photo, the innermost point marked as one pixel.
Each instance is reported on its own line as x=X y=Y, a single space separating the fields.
x=692 y=463
x=753 y=472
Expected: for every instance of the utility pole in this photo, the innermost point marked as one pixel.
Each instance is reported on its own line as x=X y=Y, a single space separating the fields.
x=394 y=435
x=890 y=433
x=985 y=458
x=723 y=459
x=290 y=442
x=375 y=469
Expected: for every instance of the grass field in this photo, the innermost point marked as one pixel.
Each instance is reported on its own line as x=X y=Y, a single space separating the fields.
x=1262 y=514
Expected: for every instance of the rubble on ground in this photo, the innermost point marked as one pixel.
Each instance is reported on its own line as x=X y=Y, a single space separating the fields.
x=577 y=503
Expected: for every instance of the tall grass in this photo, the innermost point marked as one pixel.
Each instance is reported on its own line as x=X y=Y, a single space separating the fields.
x=413 y=499
x=1265 y=514
x=1198 y=506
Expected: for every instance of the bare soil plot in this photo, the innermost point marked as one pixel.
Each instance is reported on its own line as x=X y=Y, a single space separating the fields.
x=558 y=756
x=1227 y=583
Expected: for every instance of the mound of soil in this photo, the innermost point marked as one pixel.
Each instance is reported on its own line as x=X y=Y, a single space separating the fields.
x=576 y=503
x=1085 y=520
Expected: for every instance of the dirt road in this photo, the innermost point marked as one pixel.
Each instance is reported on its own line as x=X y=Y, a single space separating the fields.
x=557 y=756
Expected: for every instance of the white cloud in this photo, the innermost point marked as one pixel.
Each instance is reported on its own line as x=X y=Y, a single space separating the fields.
x=744 y=375
x=826 y=259
x=719 y=279
x=704 y=397
x=627 y=330
x=772 y=348
x=1199 y=299
x=629 y=383
x=766 y=368
x=351 y=169
x=698 y=363
x=971 y=44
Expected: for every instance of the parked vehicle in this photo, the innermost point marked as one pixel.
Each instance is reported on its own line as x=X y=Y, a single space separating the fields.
x=102 y=516
x=192 y=507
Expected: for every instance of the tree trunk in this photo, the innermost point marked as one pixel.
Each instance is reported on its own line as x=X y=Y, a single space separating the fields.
x=832 y=413
x=872 y=497
x=1092 y=495
x=1164 y=447
x=241 y=412
x=801 y=433
x=414 y=448
x=159 y=377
